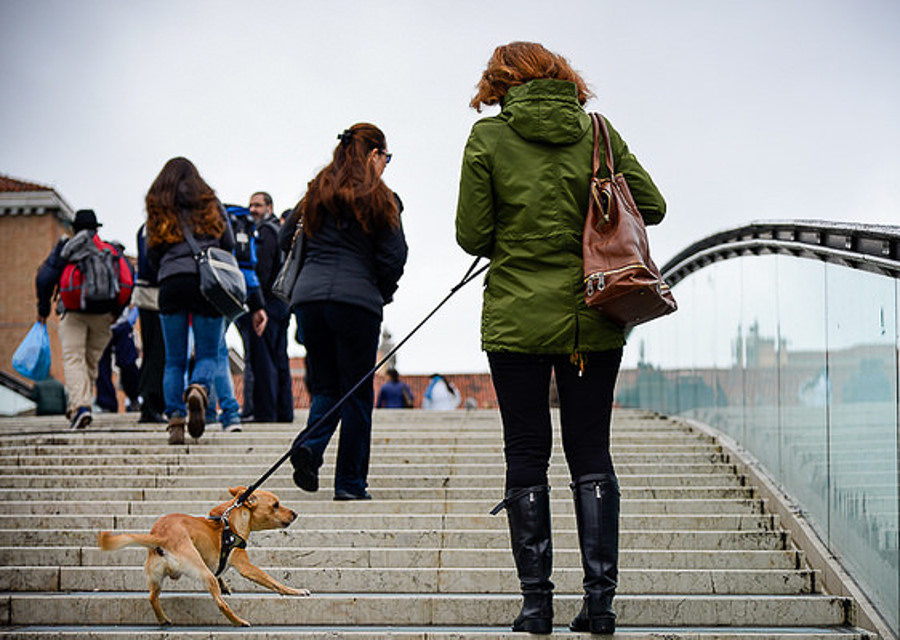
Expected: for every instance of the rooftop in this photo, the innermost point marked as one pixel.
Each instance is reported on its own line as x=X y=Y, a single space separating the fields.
x=11 y=185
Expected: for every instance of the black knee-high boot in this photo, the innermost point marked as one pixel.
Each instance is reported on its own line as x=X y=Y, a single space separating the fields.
x=528 y=514
x=597 y=514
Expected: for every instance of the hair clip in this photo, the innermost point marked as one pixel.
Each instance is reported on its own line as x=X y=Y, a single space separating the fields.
x=345 y=136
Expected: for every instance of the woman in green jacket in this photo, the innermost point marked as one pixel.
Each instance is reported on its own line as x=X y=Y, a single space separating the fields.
x=522 y=203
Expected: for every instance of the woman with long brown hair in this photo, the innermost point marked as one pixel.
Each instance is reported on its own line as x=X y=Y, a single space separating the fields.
x=355 y=254
x=179 y=198
x=522 y=203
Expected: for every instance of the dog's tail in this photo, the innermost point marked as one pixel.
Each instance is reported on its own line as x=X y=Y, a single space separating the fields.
x=110 y=542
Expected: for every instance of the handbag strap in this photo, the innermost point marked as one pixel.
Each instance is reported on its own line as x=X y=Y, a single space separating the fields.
x=600 y=128
x=299 y=231
x=189 y=237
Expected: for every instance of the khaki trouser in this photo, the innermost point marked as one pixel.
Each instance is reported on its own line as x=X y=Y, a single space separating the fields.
x=84 y=336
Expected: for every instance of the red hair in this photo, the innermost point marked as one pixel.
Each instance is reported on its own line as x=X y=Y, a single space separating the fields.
x=519 y=62
x=179 y=188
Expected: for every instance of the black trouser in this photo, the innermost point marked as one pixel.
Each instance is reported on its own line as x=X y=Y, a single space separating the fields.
x=273 y=399
x=245 y=328
x=522 y=383
x=153 y=362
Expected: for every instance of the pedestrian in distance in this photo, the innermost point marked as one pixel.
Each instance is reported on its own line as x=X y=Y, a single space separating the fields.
x=270 y=367
x=179 y=198
x=523 y=198
x=440 y=394
x=121 y=347
x=355 y=254
x=94 y=283
x=394 y=393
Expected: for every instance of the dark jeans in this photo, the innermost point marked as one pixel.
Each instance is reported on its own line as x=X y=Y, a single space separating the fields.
x=522 y=383
x=341 y=340
x=122 y=346
x=272 y=391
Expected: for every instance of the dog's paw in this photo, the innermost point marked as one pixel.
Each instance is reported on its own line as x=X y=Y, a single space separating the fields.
x=300 y=592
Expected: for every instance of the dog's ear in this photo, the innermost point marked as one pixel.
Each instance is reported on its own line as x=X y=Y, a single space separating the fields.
x=236 y=491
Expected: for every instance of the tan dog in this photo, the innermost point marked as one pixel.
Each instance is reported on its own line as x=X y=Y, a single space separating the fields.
x=179 y=544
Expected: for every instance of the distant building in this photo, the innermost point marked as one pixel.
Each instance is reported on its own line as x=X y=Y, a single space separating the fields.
x=32 y=219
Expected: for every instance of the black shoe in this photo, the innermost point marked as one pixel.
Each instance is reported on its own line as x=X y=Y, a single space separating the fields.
x=306 y=472
x=341 y=495
x=152 y=418
x=528 y=515
x=597 y=519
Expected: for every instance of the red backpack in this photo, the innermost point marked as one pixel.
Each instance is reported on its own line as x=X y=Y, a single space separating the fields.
x=101 y=279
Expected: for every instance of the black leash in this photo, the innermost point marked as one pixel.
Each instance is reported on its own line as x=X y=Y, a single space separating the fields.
x=471 y=274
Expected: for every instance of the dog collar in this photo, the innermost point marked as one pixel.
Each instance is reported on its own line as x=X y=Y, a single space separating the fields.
x=230 y=542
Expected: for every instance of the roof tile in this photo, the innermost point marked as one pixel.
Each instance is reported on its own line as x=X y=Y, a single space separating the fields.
x=8 y=185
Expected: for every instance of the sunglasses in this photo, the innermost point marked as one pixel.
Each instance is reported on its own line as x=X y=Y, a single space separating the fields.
x=387 y=156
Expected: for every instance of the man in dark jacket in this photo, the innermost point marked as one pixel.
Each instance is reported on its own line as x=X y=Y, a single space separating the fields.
x=273 y=399
x=84 y=333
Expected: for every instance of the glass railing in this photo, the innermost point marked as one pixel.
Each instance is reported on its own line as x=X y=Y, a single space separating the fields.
x=786 y=340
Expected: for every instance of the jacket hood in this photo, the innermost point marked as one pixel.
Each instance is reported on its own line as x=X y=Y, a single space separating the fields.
x=546 y=111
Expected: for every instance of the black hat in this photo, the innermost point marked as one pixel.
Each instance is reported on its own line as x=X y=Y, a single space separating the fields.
x=85 y=219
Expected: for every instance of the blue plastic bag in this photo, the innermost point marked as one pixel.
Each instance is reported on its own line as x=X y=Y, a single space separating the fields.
x=32 y=357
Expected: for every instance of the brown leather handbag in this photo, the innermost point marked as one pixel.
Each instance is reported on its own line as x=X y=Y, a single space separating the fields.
x=621 y=280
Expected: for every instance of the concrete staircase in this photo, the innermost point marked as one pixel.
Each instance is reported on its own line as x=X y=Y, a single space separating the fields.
x=701 y=556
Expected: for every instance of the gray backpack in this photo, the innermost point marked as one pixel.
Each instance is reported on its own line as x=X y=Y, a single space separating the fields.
x=93 y=274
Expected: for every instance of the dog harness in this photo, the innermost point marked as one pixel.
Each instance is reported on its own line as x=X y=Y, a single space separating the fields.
x=230 y=542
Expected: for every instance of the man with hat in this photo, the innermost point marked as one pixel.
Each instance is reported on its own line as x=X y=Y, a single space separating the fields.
x=84 y=331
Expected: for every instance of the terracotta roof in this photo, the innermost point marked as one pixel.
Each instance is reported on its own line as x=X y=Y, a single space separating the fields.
x=8 y=185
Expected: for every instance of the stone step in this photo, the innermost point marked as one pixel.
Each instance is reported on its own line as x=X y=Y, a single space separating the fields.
x=91 y=608
x=397 y=501
x=422 y=580
x=180 y=505
x=240 y=460
x=273 y=449
x=407 y=520
x=382 y=434
x=254 y=470
x=435 y=539
x=701 y=559
x=624 y=422
x=359 y=557
x=435 y=632
x=26 y=487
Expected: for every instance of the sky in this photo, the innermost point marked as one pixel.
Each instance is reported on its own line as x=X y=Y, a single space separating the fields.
x=741 y=111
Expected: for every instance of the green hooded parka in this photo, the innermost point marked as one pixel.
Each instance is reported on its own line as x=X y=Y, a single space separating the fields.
x=522 y=203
